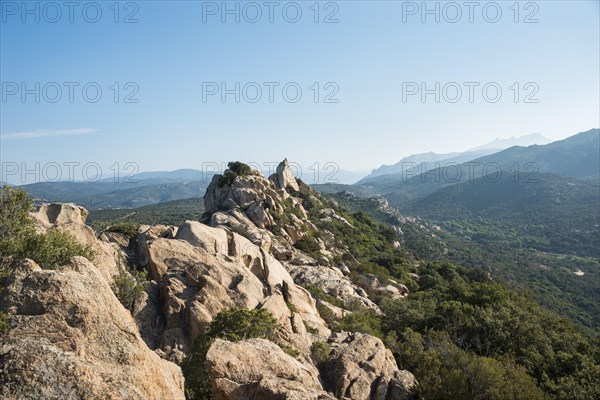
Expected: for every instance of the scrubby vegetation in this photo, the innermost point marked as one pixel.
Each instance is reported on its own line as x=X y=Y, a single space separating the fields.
x=54 y=248
x=466 y=336
x=129 y=284
x=19 y=240
x=235 y=169
x=501 y=243
x=15 y=224
x=463 y=334
x=129 y=229
x=234 y=325
x=320 y=351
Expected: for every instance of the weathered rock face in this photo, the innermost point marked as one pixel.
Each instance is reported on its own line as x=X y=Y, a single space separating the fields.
x=70 y=338
x=361 y=368
x=259 y=369
x=55 y=214
x=263 y=201
x=261 y=248
x=242 y=192
x=205 y=270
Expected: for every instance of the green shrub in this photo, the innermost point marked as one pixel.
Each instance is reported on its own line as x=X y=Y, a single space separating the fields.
x=54 y=248
x=308 y=245
x=129 y=285
x=234 y=324
x=318 y=293
x=363 y=320
x=471 y=337
x=128 y=229
x=289 y=350
x=239 y=229
x=18 y=239
x=241 y=323
x=328 y=316
x=3 y=325
x=235 y=169
x=310 y=329
x=15 y=224
x=320 y=351
x=446 y=371
x=240 y=168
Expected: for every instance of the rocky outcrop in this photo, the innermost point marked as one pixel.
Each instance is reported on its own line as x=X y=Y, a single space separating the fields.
x=71 y=218
x=258 y=369
x=70 y=338
x=284 y=178
x=274 y=219
x=361 y=368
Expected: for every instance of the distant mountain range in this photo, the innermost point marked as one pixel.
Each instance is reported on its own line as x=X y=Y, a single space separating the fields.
x=429 y=160
x=111 y=195
x=577 y=156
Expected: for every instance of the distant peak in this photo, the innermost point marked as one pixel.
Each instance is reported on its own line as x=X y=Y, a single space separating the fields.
x=504 y=143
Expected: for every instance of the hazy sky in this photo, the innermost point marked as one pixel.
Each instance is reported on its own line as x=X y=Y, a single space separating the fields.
x=177 y=55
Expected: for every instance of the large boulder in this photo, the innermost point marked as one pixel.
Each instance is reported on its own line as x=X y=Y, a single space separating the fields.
x=284 y=178
x=258 y=369
x=54 y=214
x=70 y=338
x=361 y=368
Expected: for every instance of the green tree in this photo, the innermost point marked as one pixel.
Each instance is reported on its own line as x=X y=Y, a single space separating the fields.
x=239 y=168
x=320 y=351
x=235 y=169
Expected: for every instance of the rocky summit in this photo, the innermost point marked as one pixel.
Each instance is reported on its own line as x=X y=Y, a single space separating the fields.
x=261 y=246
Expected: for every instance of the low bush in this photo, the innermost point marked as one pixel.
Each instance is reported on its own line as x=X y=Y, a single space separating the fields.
x=320 y=351
x=54 y=248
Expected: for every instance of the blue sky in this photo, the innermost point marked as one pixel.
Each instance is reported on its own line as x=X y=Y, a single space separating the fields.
x=368 y=56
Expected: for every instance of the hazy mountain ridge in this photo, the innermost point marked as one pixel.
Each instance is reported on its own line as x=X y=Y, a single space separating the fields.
x=504 y=143
x=577 y=156
x=430 y=158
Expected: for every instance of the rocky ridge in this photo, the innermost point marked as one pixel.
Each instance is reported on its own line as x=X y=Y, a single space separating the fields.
x=246 y=255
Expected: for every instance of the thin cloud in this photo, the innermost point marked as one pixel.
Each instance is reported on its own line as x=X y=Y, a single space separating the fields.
x=44 y=133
